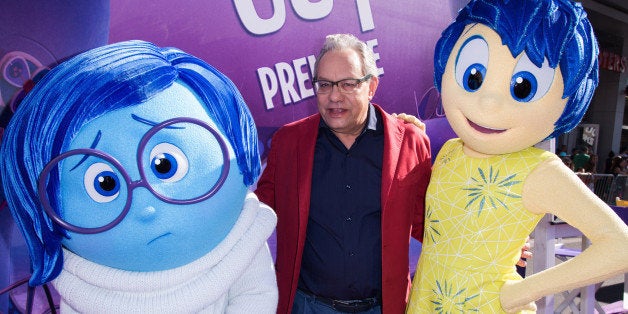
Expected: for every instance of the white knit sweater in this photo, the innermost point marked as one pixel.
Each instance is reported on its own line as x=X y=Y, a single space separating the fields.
x=237 y=276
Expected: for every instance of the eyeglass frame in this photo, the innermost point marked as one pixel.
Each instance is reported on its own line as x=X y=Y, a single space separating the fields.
x=131 y=185
x=336 y=83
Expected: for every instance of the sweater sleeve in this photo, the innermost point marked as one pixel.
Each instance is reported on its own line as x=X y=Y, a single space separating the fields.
x=256 y=290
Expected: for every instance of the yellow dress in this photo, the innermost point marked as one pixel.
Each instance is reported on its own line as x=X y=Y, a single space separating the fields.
x=475 y=227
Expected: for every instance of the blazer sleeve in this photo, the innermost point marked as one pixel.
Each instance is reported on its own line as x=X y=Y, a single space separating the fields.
x=424 y=168
x=265 y=189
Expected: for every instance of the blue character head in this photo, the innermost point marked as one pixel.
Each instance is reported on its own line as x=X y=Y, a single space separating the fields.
x=131 y=156
x=553 y=30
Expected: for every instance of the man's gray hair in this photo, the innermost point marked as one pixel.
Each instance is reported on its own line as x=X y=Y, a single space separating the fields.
x=335 y=42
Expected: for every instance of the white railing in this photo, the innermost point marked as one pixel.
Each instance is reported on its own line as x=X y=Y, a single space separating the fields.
x=606 y=186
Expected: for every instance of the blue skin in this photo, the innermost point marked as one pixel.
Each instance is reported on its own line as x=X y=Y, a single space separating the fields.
x=154 y=235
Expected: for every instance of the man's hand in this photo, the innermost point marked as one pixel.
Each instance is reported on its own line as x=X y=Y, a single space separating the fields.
x=410 y=119
x=525 y=253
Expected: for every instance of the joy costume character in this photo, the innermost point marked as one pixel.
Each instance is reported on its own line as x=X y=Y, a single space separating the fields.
x=511 y=74
x=127 y=169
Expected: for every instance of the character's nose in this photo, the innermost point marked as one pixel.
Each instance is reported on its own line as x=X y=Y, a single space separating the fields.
x=142 y=204
x=490 y=100
x=147 y=213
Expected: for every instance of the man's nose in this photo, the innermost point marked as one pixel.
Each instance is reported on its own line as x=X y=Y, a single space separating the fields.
x=335 y=93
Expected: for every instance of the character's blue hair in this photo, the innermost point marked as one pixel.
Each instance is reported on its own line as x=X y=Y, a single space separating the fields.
x=554 y=29
x=85 y=87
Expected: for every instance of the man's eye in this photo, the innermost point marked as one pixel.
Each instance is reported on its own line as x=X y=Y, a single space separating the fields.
x=348 y=84
x=324 y=84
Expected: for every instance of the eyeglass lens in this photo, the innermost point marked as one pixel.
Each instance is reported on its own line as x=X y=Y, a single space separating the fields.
x=346 y=86
x=165 y=156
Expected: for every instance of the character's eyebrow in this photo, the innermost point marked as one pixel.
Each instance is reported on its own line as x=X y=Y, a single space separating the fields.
x=92 y=146
x=99 y=135
x=151 y=123
x=470 y=28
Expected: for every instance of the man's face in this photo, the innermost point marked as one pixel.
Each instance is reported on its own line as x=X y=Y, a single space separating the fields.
x=344 y=113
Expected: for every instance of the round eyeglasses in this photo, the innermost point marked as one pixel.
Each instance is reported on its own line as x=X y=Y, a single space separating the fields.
x=110 y=184
x=346 y=86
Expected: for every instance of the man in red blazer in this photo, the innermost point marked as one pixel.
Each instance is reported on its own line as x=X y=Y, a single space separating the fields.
x=328 y=219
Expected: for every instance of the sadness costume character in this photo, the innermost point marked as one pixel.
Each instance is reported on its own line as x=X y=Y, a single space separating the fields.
x=127 y=169
x=511 y=74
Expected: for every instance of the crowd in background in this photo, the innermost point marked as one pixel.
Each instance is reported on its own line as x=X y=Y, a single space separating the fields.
x=584 y=160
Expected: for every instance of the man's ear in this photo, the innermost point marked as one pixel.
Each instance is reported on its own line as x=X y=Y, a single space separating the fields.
x=373 y=83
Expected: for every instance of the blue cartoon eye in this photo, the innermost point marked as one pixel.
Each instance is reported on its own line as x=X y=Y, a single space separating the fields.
x=101 y=183
x=529 y=82
x=473 y=77
x=168 y=162
x=523 y=86
x=471 y=63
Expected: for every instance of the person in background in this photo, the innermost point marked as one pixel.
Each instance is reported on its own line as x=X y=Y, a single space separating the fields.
x=574 y=152
x=568 y=162
x=588 y=171
x=562 y=152
x=591 y=165
x=581 y=158
x=348 y=186
x=618 y=165
x=608 y=162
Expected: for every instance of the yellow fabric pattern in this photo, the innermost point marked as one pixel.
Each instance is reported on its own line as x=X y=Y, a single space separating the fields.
x=475 y=227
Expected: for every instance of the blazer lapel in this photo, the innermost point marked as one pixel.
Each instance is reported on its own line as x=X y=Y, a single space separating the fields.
x=393 y=136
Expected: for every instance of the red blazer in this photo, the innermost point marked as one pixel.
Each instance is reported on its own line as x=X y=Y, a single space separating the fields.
x=285 y=186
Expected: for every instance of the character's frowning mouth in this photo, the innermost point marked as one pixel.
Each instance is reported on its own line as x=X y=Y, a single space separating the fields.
x=485 y=130
x=159 y=237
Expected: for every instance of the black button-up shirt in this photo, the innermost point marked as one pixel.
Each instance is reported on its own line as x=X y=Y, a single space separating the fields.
x=342 y=254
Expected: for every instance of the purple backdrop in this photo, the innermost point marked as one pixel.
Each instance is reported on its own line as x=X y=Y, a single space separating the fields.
x=35 y=35
x=38 y=34
x=267 y=46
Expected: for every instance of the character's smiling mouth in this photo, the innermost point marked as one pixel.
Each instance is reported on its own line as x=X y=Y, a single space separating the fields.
x=485 y=130
x=159 y=237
